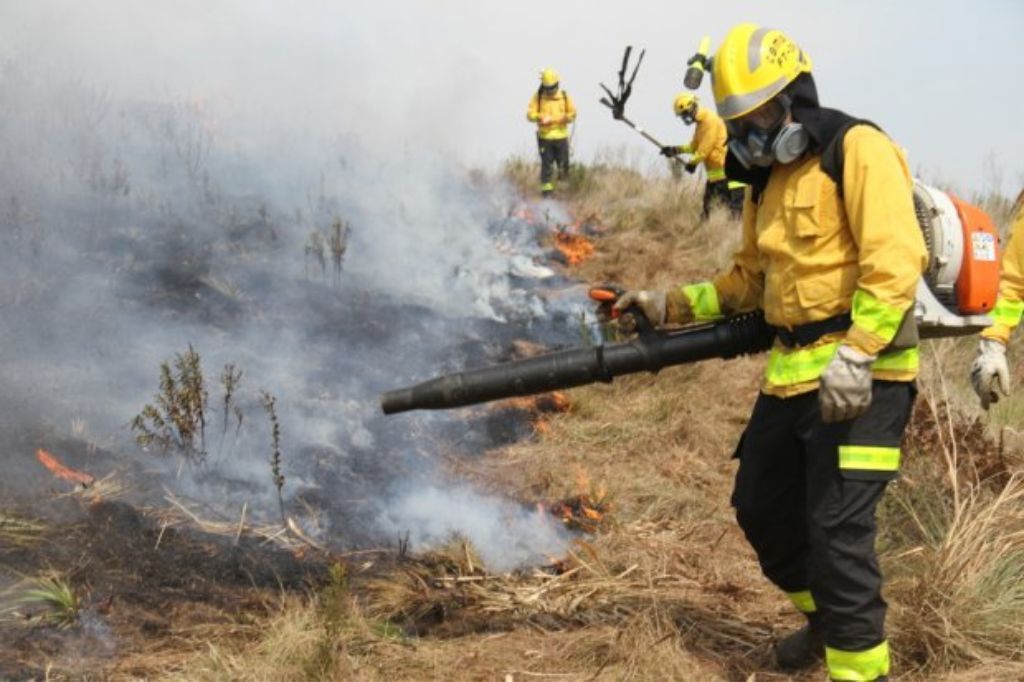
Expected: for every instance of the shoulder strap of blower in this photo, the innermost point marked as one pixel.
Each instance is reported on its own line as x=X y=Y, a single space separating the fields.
x=832 y=156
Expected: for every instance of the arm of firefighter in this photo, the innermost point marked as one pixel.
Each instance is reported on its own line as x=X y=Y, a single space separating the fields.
x=570 y=109
x=878 y=191
x=1010 y=303
x=533 y=111
x=703 y=141
x=740 y=289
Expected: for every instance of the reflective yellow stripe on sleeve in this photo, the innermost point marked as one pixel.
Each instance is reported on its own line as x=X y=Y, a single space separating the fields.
x=798 y=366
x=907 y=360
x=703 y=298
x=806 y=364
x=869 y=458
x=875 y=317
x=803 y=601
x=1007 y=313
x=716 y=175
x=858 y=666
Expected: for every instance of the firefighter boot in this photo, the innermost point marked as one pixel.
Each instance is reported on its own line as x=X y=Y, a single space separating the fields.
x=803 y=648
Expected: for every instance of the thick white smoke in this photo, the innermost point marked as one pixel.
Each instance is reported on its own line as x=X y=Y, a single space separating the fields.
x=162 y=173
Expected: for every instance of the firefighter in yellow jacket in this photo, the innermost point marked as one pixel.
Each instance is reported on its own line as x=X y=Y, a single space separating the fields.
x=707 y=147
x=832 y=253
x=990 y=374
x=552 y=110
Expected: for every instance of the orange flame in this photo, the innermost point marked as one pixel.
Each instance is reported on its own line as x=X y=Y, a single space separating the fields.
x=61 y=471
x=537 y=407
x=575 y=247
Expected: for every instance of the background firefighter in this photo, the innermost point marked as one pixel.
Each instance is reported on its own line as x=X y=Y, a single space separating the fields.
x=990 y=373
x=708 y=146
x=552 y=109
x=831 y=251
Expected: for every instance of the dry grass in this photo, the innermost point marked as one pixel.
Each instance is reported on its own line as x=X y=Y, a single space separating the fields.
x=668 y=589
x=954 y=532
x=17 y=530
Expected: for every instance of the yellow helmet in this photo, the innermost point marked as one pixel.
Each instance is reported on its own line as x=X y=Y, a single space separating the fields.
x=549 y=77
x=752 y=65
x=683 y=102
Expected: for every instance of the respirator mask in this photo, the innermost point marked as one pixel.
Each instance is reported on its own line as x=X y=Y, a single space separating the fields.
x=761 y=137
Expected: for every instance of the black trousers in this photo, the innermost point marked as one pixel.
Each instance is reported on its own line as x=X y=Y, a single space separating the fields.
x=811 y=522
x=719 y=192
x=553 y=152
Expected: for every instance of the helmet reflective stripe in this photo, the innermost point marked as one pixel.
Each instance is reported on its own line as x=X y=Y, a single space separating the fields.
x=754 y=49
x=734 y=106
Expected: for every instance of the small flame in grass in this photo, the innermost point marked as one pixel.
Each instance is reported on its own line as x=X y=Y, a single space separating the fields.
x=586 y=510
x=575 y=247
x=61 y=471
x=537 y=406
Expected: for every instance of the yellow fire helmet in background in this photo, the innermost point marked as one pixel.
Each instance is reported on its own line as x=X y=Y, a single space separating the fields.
x=549 y=77
x=683 y=102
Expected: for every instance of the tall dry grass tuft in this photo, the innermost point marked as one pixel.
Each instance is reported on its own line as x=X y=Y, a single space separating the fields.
x=953 y=532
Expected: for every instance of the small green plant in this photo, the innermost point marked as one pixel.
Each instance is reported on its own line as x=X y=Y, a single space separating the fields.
x=340 y=230
x=229 y=379
x=316 y=253
x=335 y=240
x=269 y=404
x=176 y=420
x=57 y=595
x=332 y=612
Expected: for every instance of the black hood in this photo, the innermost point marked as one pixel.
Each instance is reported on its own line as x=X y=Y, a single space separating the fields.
x=822 y=125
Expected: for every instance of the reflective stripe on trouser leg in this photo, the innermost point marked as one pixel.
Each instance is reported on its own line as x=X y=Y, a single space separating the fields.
x=849 y=466
x=858 y=666
x=803 y=601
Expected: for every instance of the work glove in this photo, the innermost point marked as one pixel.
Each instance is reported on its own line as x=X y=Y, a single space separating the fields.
x=845 y=391
x=670 y=150
x=990 y=372
x=690 y=166
x=653 y=304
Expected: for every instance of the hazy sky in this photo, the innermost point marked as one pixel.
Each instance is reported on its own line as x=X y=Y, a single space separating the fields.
x=942 y=77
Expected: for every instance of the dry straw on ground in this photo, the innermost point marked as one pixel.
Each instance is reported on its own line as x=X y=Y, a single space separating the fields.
x=667 y=588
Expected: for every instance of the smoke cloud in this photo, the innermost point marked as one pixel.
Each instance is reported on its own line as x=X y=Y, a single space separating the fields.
x=174 y=177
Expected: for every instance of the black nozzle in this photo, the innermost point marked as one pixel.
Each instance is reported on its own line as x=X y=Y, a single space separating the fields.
x=697 y=64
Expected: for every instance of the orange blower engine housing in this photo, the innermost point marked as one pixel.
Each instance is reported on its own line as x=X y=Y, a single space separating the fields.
x=962 y=279
x=978 y=283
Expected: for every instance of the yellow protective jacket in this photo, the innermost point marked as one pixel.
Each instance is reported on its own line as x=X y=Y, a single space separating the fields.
x=809 y=253
x=559 y=111
x=1010 y=304
x=708 y=144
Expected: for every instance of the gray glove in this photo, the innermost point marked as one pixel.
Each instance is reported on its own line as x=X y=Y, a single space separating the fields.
x=845 y=390
x=990 y=372
x=652 y=303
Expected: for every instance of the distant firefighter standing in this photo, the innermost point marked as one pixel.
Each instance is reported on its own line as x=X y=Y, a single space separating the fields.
x=552 y=110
